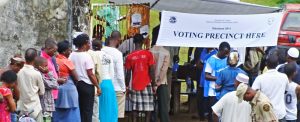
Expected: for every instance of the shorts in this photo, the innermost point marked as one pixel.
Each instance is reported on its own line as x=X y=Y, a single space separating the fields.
x=121 y=104
x=143 y=100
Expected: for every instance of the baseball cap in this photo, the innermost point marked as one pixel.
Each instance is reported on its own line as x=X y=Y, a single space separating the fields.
x=240 y=92
x=293 y=52
x=242 y=78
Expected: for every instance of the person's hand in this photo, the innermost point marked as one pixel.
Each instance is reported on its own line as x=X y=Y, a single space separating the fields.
x=44 y=69
x=127 y=91
x=98 y=92
x=61 y=80
x=154 y=89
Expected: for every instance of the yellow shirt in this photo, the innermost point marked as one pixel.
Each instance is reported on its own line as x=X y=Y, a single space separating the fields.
x=262 y=110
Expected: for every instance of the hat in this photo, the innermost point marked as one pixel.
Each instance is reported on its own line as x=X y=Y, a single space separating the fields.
x=293 y=52
x=242 y=78
x=240 y=91
x=18 y=59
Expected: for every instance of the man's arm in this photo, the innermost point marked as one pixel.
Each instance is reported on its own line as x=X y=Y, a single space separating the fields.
x=128 y=71
x=208 y=71
x=74 y=75
x=93 y=79
x=16 y=92
x=152 y=75
x=298 y=91
x=209 y=77
x=215 y=117
x=128 y=76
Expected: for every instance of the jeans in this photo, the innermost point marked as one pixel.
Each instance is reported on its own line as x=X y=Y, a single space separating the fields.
x=86 y=93
x=13 y=117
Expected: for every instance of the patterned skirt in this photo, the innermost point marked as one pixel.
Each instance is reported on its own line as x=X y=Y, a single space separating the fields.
x=143 y=100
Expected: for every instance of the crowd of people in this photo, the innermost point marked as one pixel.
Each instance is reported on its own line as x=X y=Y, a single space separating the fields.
x=272 y=96
x=89 y=84
x=98 y=83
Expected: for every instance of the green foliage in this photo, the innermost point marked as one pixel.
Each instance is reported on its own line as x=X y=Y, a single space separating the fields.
x=272 y=3
x=288 y=1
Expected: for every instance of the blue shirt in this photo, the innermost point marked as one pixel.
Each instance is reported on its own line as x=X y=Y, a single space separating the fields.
x=203 y=57
x=226 y=79
x=216 y=65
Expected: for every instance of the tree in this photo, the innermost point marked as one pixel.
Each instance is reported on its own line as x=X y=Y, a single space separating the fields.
x=288 y=1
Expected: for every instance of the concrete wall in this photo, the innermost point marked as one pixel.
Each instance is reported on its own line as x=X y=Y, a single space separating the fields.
x=27 y=23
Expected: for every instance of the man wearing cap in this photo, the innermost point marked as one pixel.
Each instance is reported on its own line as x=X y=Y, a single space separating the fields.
x=293 y=54
x=262 y=109
x=228 y=109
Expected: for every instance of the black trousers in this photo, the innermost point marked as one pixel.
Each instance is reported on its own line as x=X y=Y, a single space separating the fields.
x=200 y=103
x=86 y=95
x=211 y=102
x=163 y=98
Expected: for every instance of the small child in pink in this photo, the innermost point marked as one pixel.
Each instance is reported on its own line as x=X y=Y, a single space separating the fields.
x=7 y=104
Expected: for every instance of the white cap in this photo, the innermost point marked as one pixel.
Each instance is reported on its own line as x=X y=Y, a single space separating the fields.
x=293 y=52
x=242 y=78
x=240 y=92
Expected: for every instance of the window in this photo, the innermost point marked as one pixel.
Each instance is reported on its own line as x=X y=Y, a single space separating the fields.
x=292 y=22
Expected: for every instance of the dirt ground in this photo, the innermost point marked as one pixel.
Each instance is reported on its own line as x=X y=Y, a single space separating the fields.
x=184 y=116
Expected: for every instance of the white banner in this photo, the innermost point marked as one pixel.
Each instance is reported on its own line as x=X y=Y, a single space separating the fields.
x=201 y=30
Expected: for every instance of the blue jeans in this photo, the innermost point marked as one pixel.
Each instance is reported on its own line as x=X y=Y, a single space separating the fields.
x=13 y=117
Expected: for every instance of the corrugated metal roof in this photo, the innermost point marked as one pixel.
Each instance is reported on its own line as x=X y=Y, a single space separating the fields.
x=204 y=6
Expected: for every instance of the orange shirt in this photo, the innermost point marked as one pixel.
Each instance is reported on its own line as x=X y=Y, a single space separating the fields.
x=65 y=66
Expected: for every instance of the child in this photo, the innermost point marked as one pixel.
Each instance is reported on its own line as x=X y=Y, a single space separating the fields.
x=291 y=93
x=47 y=100
x=7 y=105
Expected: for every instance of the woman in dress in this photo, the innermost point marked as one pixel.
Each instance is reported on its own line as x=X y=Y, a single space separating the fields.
x=108 y=107
x=67 y=106
x=87 y=81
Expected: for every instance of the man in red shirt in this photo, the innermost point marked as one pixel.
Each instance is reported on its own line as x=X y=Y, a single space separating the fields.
x=140 y=63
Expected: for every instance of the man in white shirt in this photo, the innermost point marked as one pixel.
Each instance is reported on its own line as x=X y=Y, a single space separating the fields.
x=31 y=85
x=228 y=109
x=273 y=84
x=119 y=78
